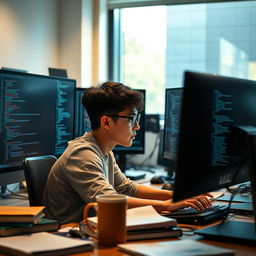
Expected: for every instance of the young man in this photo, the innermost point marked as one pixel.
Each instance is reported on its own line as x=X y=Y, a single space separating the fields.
x=88 y=168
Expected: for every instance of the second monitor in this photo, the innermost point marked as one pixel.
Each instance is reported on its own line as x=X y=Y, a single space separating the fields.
x=169 y=136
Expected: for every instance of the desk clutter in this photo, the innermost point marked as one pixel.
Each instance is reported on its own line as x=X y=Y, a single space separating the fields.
x=144 y=223
x=21 y=233
x=21 y=226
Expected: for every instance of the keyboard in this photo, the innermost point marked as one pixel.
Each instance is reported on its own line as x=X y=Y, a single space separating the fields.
x=191 y=216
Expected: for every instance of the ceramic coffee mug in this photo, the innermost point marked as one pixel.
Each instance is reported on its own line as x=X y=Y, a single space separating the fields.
x=111 y=212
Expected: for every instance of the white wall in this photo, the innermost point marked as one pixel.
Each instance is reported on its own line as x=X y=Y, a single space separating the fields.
x=28 y=34
x=70 y=34
x=69 y=45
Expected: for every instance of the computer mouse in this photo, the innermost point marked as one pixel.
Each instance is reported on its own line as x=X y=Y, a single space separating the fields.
x=158 y=179
x=77 y=233
x=168 y=186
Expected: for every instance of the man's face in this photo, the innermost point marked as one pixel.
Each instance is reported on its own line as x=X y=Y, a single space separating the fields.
x=123 y=131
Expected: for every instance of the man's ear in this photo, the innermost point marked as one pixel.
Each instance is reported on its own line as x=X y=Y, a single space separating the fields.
x=105 y=122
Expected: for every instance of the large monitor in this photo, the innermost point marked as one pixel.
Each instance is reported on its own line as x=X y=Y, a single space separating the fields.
x=36 y=118
x=210 y=156
x=169 y=136
x=216 y=143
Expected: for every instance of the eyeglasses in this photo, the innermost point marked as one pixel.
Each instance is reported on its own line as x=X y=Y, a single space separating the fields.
x=133 y=118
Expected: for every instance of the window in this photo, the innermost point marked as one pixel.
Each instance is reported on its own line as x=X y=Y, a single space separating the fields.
x=157 y=43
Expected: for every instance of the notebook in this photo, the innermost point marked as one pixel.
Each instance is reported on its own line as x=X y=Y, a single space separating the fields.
x=235 y=231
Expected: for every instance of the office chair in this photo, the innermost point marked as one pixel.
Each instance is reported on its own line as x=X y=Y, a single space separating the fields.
x=36 y=171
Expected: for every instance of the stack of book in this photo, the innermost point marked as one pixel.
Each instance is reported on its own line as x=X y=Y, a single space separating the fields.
x=144 y=223
x=16 y=220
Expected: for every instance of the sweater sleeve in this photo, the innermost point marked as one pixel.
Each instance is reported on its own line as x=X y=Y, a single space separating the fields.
x=122 y=184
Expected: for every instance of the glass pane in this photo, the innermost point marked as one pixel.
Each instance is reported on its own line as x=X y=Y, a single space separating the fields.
x=143 y=52
x=160 y=42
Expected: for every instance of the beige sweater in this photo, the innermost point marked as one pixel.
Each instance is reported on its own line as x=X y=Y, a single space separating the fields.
x=81 y=173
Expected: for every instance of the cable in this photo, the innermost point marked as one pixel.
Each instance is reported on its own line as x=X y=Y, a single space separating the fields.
x=233 y=193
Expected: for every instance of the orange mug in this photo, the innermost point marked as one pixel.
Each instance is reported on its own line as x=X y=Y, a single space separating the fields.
x=111 y=212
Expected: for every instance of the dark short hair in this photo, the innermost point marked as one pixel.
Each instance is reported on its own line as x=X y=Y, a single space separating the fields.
x=110 y=98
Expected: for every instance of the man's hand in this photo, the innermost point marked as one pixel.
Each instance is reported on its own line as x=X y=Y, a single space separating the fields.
x=199 y=203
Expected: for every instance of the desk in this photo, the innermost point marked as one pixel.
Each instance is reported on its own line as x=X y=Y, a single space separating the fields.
x=240 y=250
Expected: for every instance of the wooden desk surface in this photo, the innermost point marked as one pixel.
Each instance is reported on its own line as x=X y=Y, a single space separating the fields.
x=240 y=250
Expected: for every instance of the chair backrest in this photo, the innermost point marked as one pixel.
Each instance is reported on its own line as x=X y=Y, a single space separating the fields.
x=36 y=171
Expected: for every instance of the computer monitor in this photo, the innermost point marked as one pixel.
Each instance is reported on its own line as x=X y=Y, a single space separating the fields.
x=82 y=121
x=36 y=118
x=14 y=69
x=216 y=149
x=59 y=72
x=209 y=155
x=169 y=136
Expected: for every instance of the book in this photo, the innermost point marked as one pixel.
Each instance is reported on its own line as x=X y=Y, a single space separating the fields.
x=173 y=248
x=141 y=234
x=143 y=217
x=144 y=223
x=44 y=224
x=43 y=243
x=153 y=233
x=29 y=214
